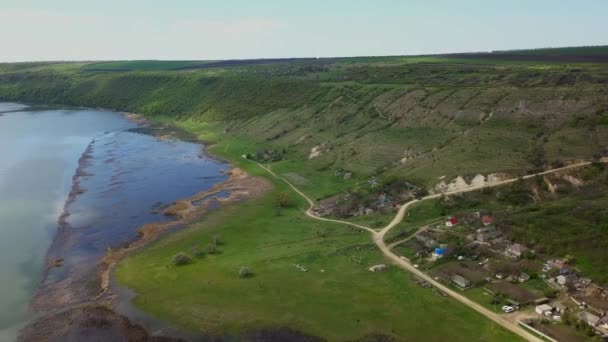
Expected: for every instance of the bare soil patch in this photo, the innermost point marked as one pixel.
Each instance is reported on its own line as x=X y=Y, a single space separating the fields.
x=514 y=291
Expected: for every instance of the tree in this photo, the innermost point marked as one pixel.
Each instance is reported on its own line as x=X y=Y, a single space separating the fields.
x=217 y=240
x=181 y=259
x=245 y=272
x=282 y=201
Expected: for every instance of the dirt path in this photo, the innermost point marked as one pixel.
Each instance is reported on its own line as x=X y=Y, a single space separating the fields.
x=378 y=238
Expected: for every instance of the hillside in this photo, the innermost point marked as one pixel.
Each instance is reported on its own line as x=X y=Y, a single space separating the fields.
x=415 y=118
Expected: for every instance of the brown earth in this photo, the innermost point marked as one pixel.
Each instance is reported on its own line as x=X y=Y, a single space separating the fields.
x=514 y=291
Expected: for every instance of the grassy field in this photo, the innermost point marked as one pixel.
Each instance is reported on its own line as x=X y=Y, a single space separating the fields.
x=337 y=299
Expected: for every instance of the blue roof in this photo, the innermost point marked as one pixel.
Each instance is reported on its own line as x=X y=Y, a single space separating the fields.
x=439 y=251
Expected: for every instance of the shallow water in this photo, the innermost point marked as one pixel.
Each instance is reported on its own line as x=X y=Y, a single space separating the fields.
x=39 y=151
x=124 y=179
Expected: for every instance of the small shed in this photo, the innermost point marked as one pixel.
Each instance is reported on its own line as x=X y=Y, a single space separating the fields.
x=378 y=268
x=461 y=281
x=544 y=309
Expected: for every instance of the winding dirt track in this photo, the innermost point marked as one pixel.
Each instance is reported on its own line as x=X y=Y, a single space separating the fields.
x=378 y=238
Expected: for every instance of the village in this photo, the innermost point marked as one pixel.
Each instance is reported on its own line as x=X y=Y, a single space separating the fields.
x=549 y=296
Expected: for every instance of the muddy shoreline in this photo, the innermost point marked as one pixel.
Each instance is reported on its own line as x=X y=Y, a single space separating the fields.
x=75 y=310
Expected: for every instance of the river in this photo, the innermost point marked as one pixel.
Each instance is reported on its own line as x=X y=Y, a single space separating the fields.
x=81 y=181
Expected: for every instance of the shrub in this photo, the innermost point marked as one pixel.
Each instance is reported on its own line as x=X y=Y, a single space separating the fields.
x=217 y=240
x=181 y=258
x=282 y=200
x=245 y=272
x=211 y=248
x=197 y=253
x=550 y=293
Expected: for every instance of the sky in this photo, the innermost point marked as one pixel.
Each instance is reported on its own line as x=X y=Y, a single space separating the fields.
x=37 y=30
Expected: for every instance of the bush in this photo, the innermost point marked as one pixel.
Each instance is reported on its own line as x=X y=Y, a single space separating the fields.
x=197 y=253
x=217 y=240
x=211 y=248
x=181 y=259
x=245 y=272
x=282 y=200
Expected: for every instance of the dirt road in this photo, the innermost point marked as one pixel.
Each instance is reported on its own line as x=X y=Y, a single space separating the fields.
x=378 y=238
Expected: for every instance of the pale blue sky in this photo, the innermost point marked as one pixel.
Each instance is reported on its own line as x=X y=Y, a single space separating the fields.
x=205 y=29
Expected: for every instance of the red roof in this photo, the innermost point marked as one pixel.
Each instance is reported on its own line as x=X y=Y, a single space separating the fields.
x=453 y=220
x=487 y=219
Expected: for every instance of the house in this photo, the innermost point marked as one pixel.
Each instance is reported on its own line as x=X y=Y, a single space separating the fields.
x=604 y=322
x=589 y=318
x=515 y=251
x=487 y=220
x=426 y=240
x=567 y=279
x=523 y=277
x=487 y=234
x=451 y=221
x=461 y=281
x=378 y=268
x=544 y=309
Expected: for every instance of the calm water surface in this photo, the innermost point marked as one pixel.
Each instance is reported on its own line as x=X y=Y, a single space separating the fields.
x=128 y=176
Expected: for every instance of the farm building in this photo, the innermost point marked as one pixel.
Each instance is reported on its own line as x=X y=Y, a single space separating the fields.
x=544 y=309
x=515 y=251
x=567 y=279
x=461 y=281
x=560 y=308
x=438 y=253
x=487 y=220
x=589 y=318
x=523 y=277
x=426 y=240
x=487 y=234
x=451 y=221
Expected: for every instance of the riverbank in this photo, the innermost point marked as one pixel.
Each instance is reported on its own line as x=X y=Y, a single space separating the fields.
x=71 y=292
x=98 y=314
